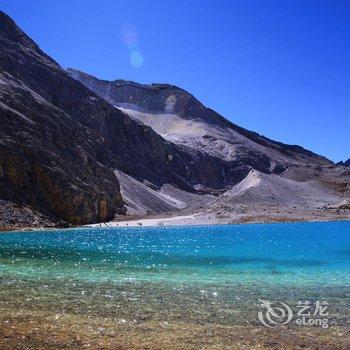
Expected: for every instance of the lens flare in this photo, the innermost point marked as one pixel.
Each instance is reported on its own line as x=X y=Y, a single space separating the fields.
x=136 y=59
x=130 y=38
x=129 y=35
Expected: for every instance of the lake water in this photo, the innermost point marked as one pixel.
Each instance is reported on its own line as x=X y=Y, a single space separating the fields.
x=199 y=275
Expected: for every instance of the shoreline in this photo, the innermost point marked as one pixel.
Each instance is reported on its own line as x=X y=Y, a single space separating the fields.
x=183 y=220
x=145 y=223
x=239 y=215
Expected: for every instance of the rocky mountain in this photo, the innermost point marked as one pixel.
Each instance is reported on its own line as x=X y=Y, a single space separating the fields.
x=181 y=118
x=48 y=160
x=346 y=163
x=60 y=142
x=77 y=149
x=282 y=174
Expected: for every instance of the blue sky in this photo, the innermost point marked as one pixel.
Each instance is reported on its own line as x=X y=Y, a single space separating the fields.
x=278 y=67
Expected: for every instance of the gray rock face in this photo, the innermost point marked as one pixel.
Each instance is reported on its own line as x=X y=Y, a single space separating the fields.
x=287 y=176
x=179 y=117
x=64 y=134
x=48 y=160
x=60 y=142
x=15 y=216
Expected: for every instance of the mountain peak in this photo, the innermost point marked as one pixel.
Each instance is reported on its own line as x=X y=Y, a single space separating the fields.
x=9 y=29
x=80 y=75
x=67 y=135
x=166 y=99
x=346 y=163
x=11 y=32
x=17 y=39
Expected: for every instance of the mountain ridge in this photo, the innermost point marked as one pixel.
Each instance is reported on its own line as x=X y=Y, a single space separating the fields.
x=160 y=87
x=30 y=78
x=67 y=140
x=119 y=94
x=206 y=130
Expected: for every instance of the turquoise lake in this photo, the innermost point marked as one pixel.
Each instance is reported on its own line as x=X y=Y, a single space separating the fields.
x=198 y=274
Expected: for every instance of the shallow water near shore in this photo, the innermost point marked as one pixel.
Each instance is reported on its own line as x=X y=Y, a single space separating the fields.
x=196 y=276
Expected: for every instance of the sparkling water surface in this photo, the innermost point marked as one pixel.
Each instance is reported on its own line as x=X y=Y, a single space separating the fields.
x=199 y=274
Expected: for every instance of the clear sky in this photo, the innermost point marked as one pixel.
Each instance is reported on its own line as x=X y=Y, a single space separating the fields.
x=278 y=67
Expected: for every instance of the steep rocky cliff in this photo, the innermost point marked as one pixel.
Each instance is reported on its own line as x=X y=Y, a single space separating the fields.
x=181 y=118
x=287 y=175
x=60 y=142
x=66 y=137
x=47 y=159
